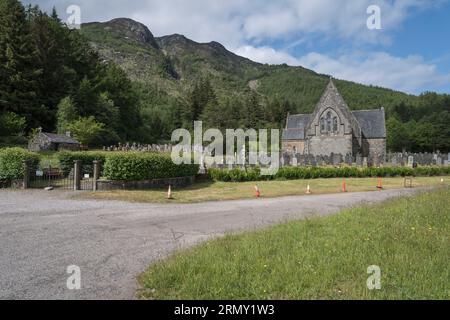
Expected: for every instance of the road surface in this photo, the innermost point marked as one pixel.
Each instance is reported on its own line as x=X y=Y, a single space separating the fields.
x=42 y=233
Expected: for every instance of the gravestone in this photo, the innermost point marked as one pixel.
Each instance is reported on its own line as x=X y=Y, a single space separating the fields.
x=359 y=160
x=337 y=159
x=294 y=160
x=349 y=159
x=410 y=161
x=365 y=162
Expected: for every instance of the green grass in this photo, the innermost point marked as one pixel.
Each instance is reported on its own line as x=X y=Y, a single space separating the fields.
x=322 y=258
x=214 y=191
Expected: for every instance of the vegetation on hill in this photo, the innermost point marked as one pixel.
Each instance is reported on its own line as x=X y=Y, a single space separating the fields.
x=129 y=85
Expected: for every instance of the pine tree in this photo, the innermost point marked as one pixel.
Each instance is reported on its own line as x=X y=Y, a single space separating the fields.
x=18 y=74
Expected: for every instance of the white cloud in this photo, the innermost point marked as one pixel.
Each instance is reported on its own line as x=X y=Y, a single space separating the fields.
x=237 y=22
x=266 y=55
x=410 y=74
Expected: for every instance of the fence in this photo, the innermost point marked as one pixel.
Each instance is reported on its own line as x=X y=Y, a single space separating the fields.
x=76 y=179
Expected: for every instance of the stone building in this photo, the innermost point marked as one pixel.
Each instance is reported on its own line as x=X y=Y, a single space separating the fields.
x=44 y=141
x=333 y=128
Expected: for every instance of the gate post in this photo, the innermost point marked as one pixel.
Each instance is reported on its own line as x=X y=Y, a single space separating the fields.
x=96 y=175
x=77 y=175
x=26 y=175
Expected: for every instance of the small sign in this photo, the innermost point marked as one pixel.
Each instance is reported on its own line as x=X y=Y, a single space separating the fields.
x=39 y=173
x=87 y=176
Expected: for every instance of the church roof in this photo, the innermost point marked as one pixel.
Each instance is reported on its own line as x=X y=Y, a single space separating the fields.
x=296 y=126
x=372 y=123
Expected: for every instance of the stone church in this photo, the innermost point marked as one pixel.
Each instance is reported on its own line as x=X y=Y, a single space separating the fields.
x=333 y=128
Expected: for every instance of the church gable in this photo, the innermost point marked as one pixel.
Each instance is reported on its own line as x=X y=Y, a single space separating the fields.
x=332 y=115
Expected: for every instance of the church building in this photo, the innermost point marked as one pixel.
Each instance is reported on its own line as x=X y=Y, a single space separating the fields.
x=334 y=128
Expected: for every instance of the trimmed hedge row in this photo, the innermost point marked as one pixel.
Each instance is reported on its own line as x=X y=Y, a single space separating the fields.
x=293 y=173
x=144 y=166
x=11 y=162
x=66 y=159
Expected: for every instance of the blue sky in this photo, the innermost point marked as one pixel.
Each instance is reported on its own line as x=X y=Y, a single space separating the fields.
x=410 y=53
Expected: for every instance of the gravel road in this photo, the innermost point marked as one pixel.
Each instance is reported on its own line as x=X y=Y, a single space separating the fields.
x=42 y=233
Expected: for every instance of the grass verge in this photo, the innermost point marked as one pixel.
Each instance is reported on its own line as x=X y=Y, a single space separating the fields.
x=323 y=258
x=215 y=191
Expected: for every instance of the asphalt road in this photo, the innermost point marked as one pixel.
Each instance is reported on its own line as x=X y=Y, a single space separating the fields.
x=42 y=233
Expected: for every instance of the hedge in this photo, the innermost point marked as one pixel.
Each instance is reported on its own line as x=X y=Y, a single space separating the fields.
x=293 y=173
x=67 y=158
x=144 y=166
x=11 y=162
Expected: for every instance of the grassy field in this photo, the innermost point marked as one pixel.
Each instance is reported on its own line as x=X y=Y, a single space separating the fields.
x=322 y=258
x=211 y=191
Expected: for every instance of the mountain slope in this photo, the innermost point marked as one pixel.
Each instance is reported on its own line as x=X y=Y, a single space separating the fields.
x=174 y=63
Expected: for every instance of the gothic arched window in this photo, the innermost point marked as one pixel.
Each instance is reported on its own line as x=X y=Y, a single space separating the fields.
x=329 y=123
x=322 y=125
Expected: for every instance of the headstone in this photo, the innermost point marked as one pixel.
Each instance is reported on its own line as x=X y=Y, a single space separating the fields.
x=411 y=161
x=294 y=161
x=359 y=160
x=365 y=162
x=349 y=159
x=337 y=159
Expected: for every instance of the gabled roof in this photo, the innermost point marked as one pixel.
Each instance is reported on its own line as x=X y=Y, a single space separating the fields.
x=297 y=121
x=295 y=126
x=372 y=123
x=60 y=138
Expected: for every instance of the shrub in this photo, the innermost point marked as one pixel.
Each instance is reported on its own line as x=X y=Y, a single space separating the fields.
x=66 y=159
x=144 y=166
x=11 y=162
x=293 y=173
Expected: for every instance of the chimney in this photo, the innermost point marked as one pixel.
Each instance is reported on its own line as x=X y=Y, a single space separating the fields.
x=69 y=134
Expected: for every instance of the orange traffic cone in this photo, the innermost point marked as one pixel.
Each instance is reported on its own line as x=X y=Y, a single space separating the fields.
x=380 y=184
x=257 y=192
x=308 y=189
x=344 y=186
x=169 y=193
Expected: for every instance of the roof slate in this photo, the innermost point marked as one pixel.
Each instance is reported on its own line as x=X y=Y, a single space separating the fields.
x=60 y=138
x=372 y=123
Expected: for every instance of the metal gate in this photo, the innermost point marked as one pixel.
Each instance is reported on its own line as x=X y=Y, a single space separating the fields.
x=40 y=178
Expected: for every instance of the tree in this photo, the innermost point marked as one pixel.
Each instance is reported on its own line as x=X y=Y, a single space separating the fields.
x=86 y=130
x=398 y=136
x=67 y=113
x=11 y=124
x=18 y=74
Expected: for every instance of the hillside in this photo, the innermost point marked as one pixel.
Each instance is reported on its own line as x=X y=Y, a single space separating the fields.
x=174 y=63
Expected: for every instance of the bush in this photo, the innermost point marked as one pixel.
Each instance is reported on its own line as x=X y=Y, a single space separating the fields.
x=296 y=173
x=11 y=162
x=144 y=166
x=66 y=159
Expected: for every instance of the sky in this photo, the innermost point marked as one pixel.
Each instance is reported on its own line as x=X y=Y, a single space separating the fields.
x=410 y=51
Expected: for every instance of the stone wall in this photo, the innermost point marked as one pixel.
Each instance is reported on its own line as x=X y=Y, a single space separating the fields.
x=327 y=144
x=374 y=147
x=144 y=184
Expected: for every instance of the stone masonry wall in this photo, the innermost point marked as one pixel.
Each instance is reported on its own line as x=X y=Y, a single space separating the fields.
x=325 y=145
